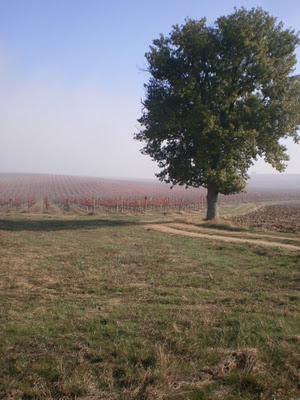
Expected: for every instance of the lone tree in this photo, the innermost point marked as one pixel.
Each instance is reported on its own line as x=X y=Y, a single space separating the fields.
x=219 y=97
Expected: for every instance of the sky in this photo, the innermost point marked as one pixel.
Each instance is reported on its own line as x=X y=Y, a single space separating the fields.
x=71 y=80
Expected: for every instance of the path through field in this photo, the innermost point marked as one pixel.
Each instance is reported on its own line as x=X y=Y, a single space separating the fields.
x=188 y=230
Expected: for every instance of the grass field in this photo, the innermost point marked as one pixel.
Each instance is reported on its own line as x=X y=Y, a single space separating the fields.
x=102 y=308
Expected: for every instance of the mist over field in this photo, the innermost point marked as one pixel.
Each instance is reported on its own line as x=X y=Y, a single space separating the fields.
x=50 y=128
x=25 y=190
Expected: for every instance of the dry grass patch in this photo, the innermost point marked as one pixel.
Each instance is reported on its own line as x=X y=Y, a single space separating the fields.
x=104 y=309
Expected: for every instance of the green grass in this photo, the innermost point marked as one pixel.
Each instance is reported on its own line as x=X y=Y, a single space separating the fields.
x=102 y=308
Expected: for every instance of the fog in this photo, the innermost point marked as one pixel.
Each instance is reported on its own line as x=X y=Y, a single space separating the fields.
x=47 y=127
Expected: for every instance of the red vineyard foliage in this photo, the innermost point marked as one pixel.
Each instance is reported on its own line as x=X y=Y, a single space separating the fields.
x=33 y=191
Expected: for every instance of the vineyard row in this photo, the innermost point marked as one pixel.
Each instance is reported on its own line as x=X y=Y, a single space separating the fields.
x=137 y=204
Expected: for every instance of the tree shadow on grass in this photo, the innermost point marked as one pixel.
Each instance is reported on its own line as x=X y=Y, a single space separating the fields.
x=57 y=224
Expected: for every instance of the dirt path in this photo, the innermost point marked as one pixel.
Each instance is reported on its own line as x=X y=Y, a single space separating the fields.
x=240 y=234
x=228 y=239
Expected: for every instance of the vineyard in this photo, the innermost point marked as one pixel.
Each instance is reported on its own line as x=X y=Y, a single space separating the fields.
x=283 y=218
x=34 y=192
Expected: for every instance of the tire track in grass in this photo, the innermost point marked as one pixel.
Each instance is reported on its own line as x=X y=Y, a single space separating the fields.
x=240 y=234
x=228 y=239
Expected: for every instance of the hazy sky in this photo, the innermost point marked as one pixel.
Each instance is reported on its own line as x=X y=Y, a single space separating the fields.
x=71 y=80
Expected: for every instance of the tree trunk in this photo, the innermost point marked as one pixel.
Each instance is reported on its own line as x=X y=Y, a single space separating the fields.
x=212 y=202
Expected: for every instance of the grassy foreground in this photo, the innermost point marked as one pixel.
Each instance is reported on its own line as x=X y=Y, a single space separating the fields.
x=96 y=308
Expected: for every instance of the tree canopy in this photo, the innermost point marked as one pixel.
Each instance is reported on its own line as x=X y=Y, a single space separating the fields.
x=219 y=97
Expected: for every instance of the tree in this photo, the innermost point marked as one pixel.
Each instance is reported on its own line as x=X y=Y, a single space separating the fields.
x=218 y=98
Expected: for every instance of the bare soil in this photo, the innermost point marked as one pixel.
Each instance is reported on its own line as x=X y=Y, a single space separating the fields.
x=276 y=217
